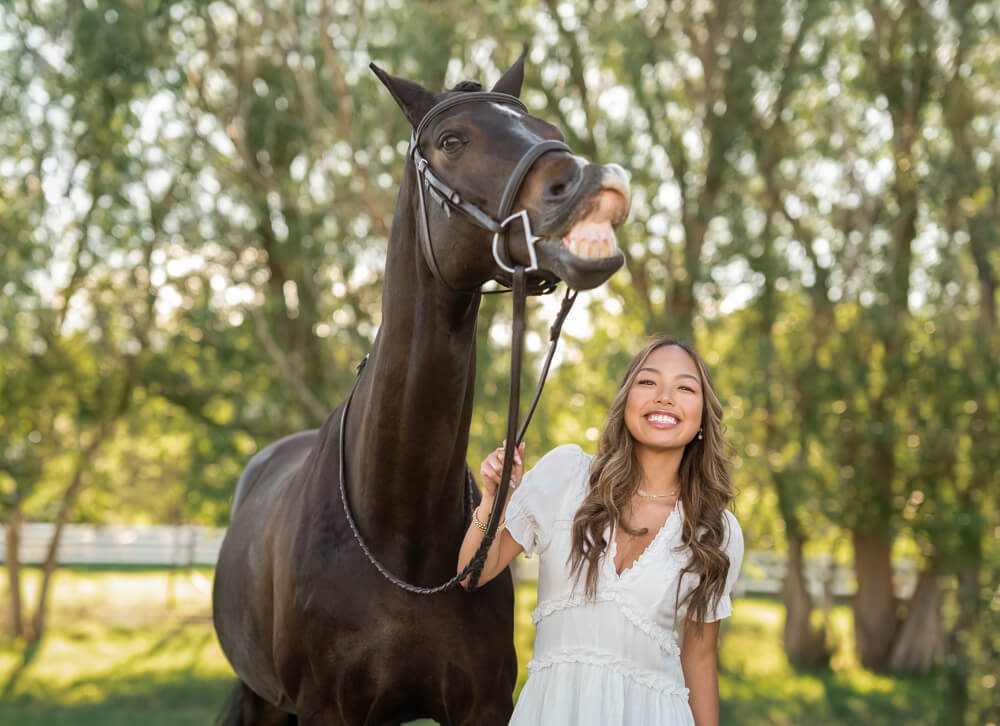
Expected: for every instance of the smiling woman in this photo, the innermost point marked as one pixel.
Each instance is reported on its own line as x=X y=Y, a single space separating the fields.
x=638 y=554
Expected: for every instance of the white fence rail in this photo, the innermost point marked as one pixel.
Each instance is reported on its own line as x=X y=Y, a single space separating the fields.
x=82 y=544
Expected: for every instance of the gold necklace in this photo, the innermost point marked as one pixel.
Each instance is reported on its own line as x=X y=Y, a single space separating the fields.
x=647 y=495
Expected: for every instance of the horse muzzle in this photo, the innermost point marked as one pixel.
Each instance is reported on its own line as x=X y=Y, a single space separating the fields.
x=578 y=242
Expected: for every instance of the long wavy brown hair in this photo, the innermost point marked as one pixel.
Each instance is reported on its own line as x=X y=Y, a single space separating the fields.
x=705 y=491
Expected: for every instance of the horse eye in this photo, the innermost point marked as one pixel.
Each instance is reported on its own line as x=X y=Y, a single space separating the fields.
x=451 y=143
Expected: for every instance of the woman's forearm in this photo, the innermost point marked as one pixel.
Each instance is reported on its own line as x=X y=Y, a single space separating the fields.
x=495 y=562
x=503 y=548
x=699 y=660
x=703 y=691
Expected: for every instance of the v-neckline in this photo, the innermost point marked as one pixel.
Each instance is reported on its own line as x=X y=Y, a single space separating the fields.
x=613 y=552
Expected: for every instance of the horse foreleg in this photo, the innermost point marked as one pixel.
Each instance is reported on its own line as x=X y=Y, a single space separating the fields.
x=246 y=708
x=496 y=715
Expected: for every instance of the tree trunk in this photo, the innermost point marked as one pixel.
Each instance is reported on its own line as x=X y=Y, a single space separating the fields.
x=62 y=517
x=12 y=530
x=51 y=561
x=804 y=644
x=920 y=644
x=958 y=660
x=875 y=621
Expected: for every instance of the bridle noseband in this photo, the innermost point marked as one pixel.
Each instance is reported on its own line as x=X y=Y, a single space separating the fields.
x=449 y=198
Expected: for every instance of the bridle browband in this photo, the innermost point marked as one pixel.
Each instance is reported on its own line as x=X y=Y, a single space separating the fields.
x=450 y=198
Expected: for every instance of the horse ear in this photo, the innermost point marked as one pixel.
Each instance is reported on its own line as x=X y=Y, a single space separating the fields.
x=511 y=81
x=414 y=99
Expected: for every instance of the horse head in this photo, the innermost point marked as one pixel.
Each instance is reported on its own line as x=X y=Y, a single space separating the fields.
x=495 y=187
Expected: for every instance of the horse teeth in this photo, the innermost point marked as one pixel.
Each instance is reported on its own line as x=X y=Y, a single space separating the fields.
x=588 y=248
x=590 y=240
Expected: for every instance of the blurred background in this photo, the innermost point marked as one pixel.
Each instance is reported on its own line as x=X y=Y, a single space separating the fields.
x=194 y=204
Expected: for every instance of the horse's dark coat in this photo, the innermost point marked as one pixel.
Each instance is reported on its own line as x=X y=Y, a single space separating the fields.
x=308 y=624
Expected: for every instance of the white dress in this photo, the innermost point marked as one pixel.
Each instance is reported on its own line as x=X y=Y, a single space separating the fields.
x=616 y=659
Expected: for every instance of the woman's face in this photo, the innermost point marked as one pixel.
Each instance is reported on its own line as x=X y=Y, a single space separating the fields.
x=664 y=405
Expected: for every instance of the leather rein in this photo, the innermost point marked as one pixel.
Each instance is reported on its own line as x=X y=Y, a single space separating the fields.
x=450 y=199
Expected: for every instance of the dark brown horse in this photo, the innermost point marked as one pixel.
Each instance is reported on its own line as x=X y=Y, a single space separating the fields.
x=315 y=633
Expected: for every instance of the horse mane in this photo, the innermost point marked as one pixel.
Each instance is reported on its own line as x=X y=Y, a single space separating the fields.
x=468 y=86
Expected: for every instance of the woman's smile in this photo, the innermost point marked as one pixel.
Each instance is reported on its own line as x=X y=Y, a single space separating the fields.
x=662 y=419
x=664 y=406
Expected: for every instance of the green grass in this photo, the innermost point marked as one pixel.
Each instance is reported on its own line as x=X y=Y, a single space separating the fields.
x=124 y=647
x=759 y=686
x=137 y=647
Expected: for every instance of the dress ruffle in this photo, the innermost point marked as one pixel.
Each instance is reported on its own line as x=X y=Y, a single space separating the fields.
x=664 y=638
x=653 y=679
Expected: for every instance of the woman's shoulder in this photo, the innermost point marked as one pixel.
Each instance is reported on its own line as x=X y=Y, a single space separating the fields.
x=733 y=531
x=729 y=519
x=564 y=467
x=564 y=454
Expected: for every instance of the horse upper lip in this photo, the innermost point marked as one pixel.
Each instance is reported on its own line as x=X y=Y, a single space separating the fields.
x=617 y=184
x=615 y=179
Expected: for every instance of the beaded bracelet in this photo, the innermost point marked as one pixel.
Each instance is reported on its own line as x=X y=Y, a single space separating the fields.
x=480 y=525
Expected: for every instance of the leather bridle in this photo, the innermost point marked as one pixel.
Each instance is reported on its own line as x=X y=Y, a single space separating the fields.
x=449 y=199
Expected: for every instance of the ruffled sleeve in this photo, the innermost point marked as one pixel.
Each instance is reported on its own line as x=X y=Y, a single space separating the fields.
x=541 y=497
x=733 y=546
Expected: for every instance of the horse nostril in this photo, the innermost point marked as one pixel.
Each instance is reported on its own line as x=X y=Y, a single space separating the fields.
x=558 y=190
x=562 y=185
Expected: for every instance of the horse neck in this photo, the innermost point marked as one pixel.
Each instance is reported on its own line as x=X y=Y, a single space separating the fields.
x=408 y=427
